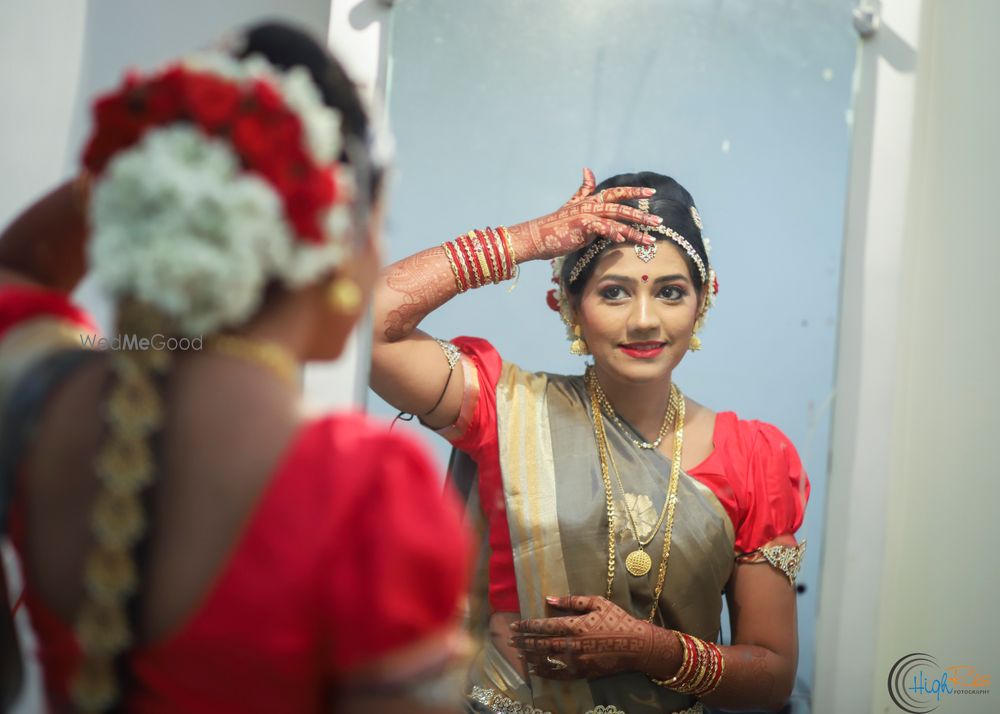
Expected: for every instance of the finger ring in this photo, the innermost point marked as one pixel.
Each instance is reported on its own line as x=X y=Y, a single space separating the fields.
x=599 y=197
x=556 y=663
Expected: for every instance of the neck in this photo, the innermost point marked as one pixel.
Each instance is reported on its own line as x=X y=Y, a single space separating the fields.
x=642 y=404
x=285 y=322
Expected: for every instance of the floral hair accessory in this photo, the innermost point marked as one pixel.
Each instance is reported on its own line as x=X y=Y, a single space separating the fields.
x=213 y=177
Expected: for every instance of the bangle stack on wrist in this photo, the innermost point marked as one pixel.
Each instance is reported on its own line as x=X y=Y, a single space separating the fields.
x=480 y=257
x=701 y=667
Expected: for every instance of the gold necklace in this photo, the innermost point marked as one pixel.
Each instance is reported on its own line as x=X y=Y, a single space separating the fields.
x=269 y=355
x=638 y=562
x=668 y=418
x=675 y=468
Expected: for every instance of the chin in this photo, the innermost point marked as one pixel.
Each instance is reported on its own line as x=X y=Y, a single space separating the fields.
x=636 y=370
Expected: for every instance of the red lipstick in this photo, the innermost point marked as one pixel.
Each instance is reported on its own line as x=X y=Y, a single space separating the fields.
x=642 y=350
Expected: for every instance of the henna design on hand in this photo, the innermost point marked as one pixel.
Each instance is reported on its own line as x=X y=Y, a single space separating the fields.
x=602 y=640
x=425 y=282
x=583 y=218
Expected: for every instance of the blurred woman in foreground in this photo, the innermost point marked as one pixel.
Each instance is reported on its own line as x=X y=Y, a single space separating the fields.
x=192 y=540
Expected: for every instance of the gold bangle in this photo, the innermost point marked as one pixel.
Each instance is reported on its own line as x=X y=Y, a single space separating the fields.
x=505 y=234
x=488 y=249
x=681 y=672
x=497 y=242
x=454 y=268
x=472 y=279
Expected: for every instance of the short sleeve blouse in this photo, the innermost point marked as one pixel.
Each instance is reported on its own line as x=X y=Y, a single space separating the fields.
x=754 y=471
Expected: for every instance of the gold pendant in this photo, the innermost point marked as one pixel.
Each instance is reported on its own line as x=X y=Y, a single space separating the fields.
x=638 y=563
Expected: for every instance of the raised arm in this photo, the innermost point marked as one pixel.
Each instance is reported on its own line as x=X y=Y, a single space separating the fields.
x=44 y=245
x=408 y=368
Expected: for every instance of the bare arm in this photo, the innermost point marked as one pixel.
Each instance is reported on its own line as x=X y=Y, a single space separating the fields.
x=761 y=662
x=44 y=245
x=408 y=369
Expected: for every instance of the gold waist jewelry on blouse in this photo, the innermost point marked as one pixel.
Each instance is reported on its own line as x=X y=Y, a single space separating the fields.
x=498 y=703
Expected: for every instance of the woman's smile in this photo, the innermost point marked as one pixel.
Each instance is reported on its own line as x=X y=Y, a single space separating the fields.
x=642 y=350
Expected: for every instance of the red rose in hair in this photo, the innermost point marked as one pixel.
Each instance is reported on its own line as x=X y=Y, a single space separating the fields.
x=552 y=300
x=163 y=97
x=118 y=126
x=251 y=140
x=212 y=101
x=267 y=97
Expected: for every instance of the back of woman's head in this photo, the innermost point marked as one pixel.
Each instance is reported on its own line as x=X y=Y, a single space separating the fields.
x=225 y=173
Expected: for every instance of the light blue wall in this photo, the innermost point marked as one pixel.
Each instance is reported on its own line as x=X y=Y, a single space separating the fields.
x=496 y=106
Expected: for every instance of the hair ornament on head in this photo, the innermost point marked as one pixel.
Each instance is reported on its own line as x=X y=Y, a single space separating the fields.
x=558 y=301
x=213 y=177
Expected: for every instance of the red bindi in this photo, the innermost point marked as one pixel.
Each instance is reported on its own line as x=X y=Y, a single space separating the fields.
x=645 y=278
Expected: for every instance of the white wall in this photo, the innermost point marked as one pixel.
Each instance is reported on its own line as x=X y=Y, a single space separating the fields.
x=910 y=561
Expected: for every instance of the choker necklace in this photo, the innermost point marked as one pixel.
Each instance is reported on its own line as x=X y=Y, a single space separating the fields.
x=604 y=452
x=668 y=418
x=263 y=353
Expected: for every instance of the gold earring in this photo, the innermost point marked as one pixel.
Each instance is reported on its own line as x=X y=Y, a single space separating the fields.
x=695 y=343
x=344 y=296
x=579 y=345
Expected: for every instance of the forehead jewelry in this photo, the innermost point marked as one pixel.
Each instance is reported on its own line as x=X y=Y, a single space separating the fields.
x=673 y=235
x=645 y=253
x=645 y=278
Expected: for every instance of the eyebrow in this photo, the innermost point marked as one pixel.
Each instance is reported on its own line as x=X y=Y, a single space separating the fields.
x=633 y=281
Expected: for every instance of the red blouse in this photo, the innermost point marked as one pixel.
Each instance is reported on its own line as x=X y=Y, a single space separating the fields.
x=351 y=553
x=754 y=471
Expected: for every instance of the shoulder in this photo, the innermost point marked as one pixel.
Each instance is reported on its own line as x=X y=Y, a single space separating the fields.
x=748 y=438
x=20 y=304
x=766 y=472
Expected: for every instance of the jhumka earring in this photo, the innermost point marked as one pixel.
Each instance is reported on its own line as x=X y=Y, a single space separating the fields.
x=695 y=343
x=579 y=345
x=344 y=296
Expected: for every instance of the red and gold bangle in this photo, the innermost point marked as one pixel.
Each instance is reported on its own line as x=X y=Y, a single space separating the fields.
x=459 y=285
x=465 y=251
x=490 y=251
x=701 y=667
x=463 y=269
x=477 y=249
x=499 y=252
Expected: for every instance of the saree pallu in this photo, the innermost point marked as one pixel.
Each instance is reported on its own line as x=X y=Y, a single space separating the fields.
x=556 y=509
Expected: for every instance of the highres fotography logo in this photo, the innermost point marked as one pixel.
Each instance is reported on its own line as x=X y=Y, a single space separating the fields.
x=918 y=684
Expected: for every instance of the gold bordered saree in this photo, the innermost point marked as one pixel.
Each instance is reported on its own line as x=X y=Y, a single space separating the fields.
x=556 y=513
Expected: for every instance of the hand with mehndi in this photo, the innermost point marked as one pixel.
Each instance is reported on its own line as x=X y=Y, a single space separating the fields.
x=585 y=217
x=598 y=640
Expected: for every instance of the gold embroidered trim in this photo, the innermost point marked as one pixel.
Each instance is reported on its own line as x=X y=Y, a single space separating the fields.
x=786 y=558
x=496 y=702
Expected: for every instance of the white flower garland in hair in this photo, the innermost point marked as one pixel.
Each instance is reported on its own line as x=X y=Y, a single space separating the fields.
x=178 y=223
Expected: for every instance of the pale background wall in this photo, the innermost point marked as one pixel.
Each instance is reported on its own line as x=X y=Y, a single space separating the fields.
x=911 y=561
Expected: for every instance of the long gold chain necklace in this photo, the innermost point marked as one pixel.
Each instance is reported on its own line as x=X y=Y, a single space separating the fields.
x=269 y=355
x=638 y=562
x=668 y=418
x=604 y=452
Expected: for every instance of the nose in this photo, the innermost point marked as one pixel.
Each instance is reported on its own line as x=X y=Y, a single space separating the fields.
x=642 y=320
